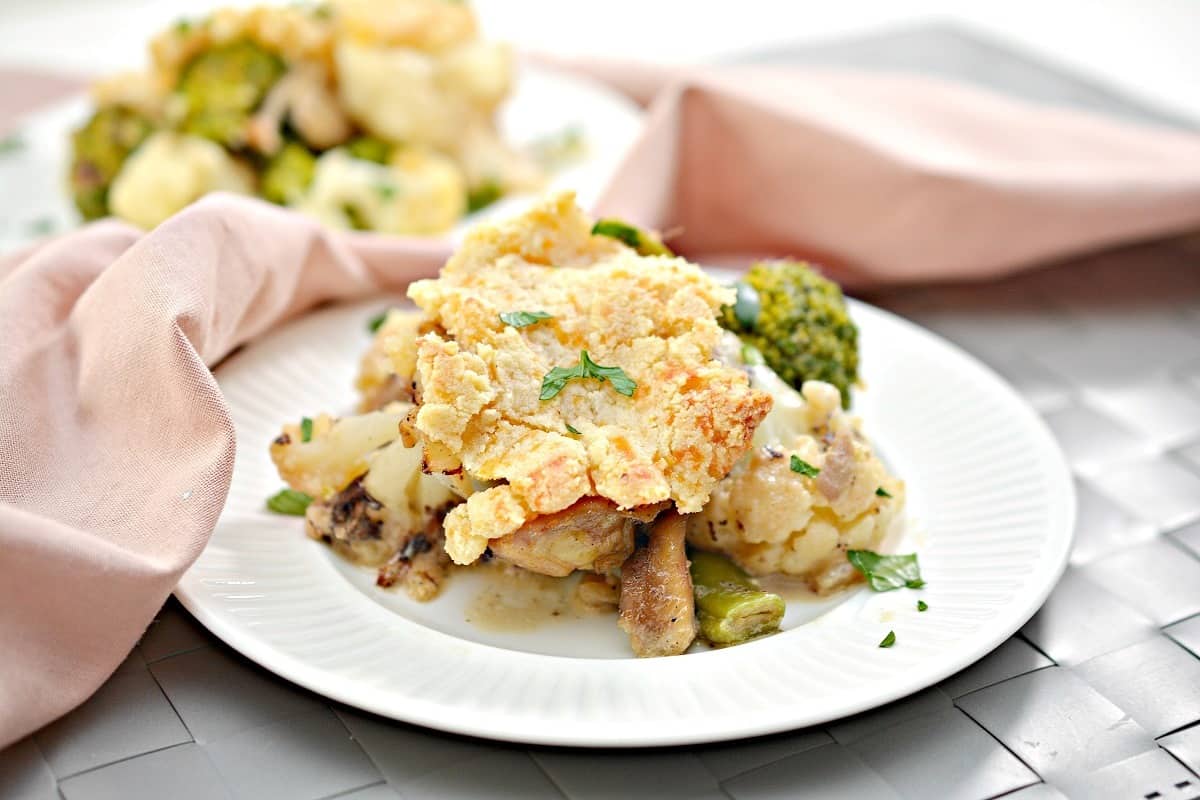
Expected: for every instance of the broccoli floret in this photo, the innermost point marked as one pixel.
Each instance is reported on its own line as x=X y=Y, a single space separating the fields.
x=288 y=174
x=222 y=87
x=100 y=147
x=798 y=321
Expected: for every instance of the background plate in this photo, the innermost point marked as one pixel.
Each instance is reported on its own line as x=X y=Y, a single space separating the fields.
x=991 y=511
x=545 y=103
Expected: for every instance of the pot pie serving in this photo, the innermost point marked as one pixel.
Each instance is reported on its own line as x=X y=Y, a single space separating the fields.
x=367 y=114
x=570 y=398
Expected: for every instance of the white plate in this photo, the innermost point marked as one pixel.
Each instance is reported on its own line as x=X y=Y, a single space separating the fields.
x=545 y=103
x=990 y=512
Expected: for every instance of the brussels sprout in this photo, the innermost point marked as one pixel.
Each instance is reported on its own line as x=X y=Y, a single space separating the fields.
x=100 y=148
x=222 y=87
x=288 y=174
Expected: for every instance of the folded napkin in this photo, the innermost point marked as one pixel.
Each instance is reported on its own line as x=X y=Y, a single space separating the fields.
x=116 y=447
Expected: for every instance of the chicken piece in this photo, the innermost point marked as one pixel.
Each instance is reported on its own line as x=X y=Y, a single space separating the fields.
x=658 y=608
x=671 y=435
x=363 y=530
x=598 y=593
x=593 y=535
x=354 y=524
x=419 y=566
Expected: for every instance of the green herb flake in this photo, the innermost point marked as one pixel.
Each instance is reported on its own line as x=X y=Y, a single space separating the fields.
x=306 y=429
x=289 y=501
x=572 y=430
x=888 y=640
x=43 y=226
x=386 y=191
x=752 y=356
x=522 y=319
x=376 y=322
x=885 y=573
x=882 y=492
x=12 y=144
x=558 y=377
x=804 y=468
x=182 y=26
x=922 y=605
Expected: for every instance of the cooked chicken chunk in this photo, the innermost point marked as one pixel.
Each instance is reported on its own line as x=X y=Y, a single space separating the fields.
x=657 y=607
x=593 y=535
x=355 y=525
x=419 y=566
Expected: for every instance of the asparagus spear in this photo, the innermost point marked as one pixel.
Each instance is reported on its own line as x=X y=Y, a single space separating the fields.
x=729 y=603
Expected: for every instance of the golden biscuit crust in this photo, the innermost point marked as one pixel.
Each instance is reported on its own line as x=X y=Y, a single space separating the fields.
x=689 y=419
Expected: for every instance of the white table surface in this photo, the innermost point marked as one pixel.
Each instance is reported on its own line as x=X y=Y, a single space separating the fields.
x=1143 y=48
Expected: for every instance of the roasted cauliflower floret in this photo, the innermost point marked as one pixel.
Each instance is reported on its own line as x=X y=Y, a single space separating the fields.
x=336 y=451
x=169 y=171
x=430 y=25
x=418 y=192
x=485 y=409
x=800 y=501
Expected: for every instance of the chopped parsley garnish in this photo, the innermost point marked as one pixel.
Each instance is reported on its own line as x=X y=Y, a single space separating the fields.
x=572 y=430
x=748 y=305
x=885 y=573
x=520 y=319
x=558 y=377
x=882 y=492
x=804 y=468
x=183 y=25
x=289 y=501
x=306 y=429
x=888 y=640
x=376 y=322
x=386 y=191
x=42 y=226
x=922 y=605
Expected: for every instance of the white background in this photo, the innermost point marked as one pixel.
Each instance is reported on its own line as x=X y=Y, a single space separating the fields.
x=1149 y=49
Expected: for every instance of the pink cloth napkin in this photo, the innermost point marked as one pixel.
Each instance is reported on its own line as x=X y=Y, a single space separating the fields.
x=116 y=447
